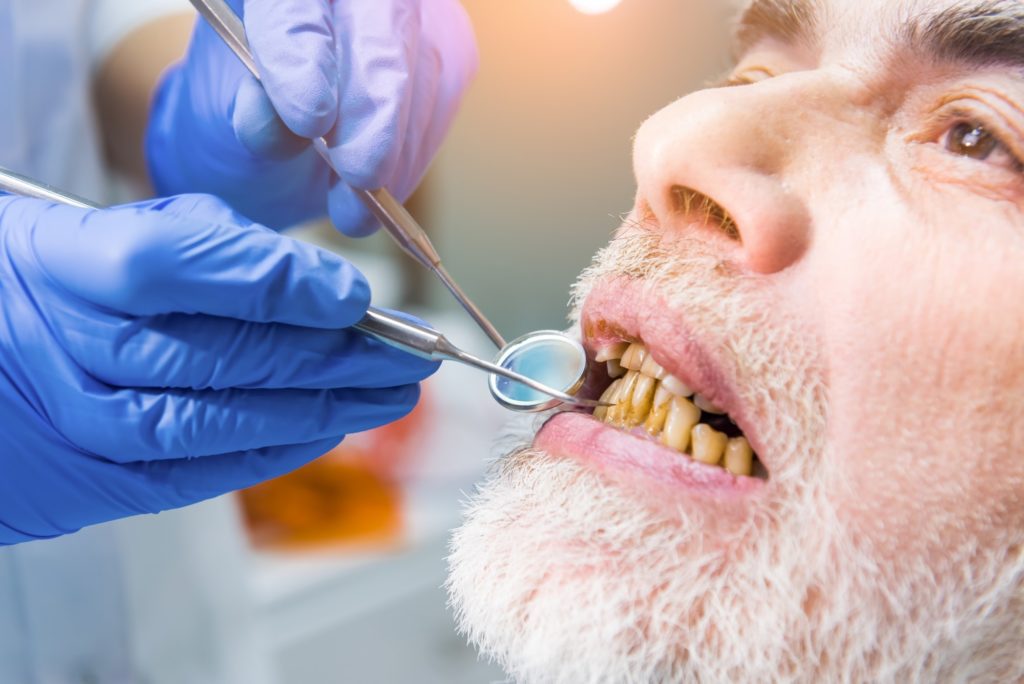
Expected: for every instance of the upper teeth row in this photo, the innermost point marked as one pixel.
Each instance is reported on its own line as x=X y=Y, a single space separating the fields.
x=624 y=356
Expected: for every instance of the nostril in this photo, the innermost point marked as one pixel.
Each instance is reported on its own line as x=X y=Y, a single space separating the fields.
x=698 y=207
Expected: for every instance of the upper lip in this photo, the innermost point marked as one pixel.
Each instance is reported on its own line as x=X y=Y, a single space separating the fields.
x=622 y=310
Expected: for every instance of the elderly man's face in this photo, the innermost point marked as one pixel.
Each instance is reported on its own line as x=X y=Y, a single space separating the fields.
x=831 y=250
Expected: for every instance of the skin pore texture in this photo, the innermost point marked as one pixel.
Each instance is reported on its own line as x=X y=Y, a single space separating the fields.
x=830 y=248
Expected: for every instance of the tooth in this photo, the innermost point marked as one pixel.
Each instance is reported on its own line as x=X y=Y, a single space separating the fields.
x=652 y=368
x=659 y=411
x=615 y=369
x=609 y=396
x=619 y=412
x=643 y=395
x=676 y=386
x=627 y=356
x=611 y=393
x=634 y=357
x=656 y=419
x=682 y=416
x=704 y=405
x=739 y=457
x=708 y=444
x=612 y=351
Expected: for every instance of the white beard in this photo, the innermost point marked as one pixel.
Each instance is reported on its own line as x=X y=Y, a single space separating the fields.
x=560 y=577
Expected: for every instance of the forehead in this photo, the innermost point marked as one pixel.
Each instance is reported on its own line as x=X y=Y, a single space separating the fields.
x=978 y=31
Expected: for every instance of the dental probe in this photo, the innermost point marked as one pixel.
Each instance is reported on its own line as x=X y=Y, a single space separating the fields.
x=398 y=223
x=381 y=325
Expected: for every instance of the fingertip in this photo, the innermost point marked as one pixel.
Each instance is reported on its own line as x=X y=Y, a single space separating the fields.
x=348 y=213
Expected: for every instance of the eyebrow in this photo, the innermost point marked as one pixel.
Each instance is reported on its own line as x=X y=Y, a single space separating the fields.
x=983 y=33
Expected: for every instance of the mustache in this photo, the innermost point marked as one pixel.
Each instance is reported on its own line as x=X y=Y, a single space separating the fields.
x=756 y=329
x=641 y=250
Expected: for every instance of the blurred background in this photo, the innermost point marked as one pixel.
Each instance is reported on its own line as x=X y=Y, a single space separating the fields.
x=537 y=169
x=334 y=573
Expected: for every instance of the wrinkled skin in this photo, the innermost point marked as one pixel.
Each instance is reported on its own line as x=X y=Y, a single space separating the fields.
x=862 y=309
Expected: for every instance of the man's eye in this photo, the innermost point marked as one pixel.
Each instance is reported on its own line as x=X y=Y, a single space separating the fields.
x=971 y=140
x=974 y=140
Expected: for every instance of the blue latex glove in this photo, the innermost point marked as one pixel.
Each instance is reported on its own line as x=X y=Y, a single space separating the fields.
x=162 y=353
x=381 y=79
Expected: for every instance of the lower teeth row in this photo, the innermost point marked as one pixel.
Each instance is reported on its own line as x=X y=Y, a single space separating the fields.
x=638 y=400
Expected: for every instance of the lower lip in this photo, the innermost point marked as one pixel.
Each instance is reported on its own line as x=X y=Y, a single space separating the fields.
x=637 y=461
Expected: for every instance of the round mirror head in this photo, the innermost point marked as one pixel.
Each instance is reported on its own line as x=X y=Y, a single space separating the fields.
x=547 y=356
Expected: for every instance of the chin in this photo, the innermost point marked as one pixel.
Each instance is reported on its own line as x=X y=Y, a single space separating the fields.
x=607 y=547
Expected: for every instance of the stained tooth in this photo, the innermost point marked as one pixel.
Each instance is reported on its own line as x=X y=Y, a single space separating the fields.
x=652 y=368
x=627 y=356
x=619 y=412
x=612 y=351
x=634 y=357
x=656 y=419
x=708 y=443
x=615 y=369
x=682 y=416
x=643 y=395
x=609 y=396
x=676 y=386
x=704 y=405
x=661 y=395
x=739 y=457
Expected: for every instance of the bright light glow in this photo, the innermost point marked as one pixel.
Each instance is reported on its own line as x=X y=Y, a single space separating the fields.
x=594 y=6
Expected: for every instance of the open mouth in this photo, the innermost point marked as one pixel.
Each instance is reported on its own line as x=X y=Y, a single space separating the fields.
x=646 y=400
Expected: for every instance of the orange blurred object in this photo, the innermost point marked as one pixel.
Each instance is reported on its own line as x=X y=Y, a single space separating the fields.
x=349 y=497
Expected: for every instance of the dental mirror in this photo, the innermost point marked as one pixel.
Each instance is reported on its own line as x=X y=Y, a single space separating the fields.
x=548 y=356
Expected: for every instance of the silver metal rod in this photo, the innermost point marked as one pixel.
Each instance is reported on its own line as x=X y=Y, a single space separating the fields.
x=430 y=344
x=17 y=184
x=397 y=222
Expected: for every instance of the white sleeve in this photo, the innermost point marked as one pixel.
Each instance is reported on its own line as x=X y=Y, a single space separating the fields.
x=112 y=20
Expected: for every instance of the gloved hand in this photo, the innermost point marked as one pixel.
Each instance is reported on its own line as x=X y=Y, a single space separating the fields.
x=381 y=79
x=162 y=353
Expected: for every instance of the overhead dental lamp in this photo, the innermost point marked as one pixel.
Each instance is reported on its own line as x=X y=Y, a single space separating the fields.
x=594 y=6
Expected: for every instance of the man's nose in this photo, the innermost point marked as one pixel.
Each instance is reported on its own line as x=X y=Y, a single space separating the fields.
x=735 y=147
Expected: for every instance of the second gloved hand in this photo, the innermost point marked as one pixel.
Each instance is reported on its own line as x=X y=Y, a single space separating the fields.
x=162 y=353
x=380 y=79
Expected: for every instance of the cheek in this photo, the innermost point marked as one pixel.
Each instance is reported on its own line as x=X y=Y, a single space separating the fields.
x=925 y=375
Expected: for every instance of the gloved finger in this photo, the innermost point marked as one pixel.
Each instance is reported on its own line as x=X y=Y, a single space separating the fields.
x=191 y=254
x=161 y=424
x=258 y=127
x=185 y=481
x=204 y=352
x=293 y=44
x=348 y=213
x=378 y=54
x=448 y=61
x=109 y=490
